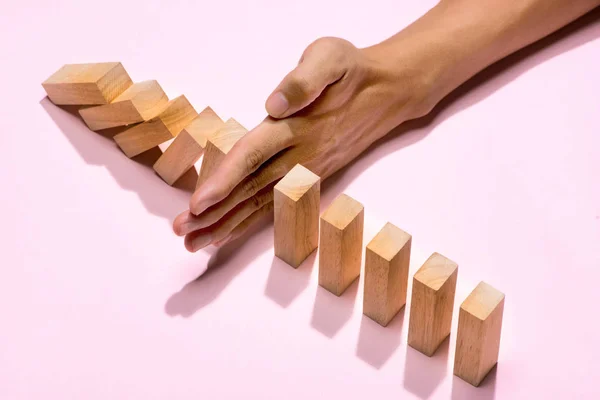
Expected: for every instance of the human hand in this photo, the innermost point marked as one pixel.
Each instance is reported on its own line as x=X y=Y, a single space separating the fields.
x=329 y=109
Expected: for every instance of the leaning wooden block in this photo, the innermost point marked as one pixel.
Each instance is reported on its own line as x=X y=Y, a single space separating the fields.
x=218 y=146
x=140 y=102
x=87 y=84
x=478 y=337
x=386 y=273
x=296 y=225
x=167 y=125
x=434 y=285
x=188 y=146
x=340 y=249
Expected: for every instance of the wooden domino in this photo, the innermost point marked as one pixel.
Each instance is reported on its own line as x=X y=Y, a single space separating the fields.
x=218 y=146
x=434 y=286
x=387 y=260
x=296 y=222
x=478 y=337
x=87 y=84
x=165 y=126
x=340 y=248
x=188 y=146
x=140 y=102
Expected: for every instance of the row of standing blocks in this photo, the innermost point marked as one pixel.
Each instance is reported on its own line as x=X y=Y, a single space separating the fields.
x=109 y=99
x=338 y=234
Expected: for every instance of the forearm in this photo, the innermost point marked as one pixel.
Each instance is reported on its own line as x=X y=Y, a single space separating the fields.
x=458 y=38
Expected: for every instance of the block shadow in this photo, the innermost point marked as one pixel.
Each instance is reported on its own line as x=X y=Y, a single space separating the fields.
x=330 y=312
x=377 y=344
x=133 y=174
x=286 y=283
x=223 y=266
x=422 y=374
x=486 y=390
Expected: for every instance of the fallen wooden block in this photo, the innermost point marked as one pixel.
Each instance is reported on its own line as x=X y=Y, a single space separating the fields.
x=140 y=102
x=188 y=146
x=434 y=285
x=386 y=273
x=296 y=223
x=165 y=126
x=478 y=337
x=87 y=84
x=340 y=249
x=218 y=146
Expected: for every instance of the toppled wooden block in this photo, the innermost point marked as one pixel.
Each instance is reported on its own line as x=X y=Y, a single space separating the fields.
x=188 y=146
x=434 y=286
x=387 y=261
x=296 y=225
x=218 y=146
x=478 y=337
x=140 y=102
x=165 y=126
x=340 y=249
x=87 y=84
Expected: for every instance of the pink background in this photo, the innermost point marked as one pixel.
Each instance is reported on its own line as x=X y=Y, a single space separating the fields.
x=99 y=299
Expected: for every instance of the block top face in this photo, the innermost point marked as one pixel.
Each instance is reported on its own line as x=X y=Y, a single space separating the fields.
x=342 y=211
x=297 y=182
x=204 y=126
x=138 y=88
x=482 y=301
x=436 y=271
x=81 y=73
x=228 y=135
x=389 y=241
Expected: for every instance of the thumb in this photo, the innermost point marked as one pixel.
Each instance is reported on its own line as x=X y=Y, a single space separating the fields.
x=317 y=69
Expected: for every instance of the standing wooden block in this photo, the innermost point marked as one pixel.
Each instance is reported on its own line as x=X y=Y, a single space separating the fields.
x=386 y=273
x=87 y=84
x=188 y=146
x=434 y=285
x=478 y=337
x=340 y=250
x=140 y=102
x=165 y=126
x=296 y=227
x=218 y=146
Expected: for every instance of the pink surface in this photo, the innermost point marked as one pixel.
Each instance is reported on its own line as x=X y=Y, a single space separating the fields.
x=100 y=300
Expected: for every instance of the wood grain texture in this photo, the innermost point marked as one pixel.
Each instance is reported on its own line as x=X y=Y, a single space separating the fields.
x=479 y=330
x=165 y=126
x=87 y=84
x=341 y=240
x=387 y=261
x=296 y=225
x=188 y=146
x=140 y=102
x=218 y=146
x=434 y=286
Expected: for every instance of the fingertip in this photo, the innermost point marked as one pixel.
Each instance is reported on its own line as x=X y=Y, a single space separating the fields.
x=178 y=223
x=189 y=244
x=277 y=105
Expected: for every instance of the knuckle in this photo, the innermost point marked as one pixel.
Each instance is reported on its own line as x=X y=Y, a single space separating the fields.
x=251 y=186
x=256 y=202
x=253 y=160
x=301 y=87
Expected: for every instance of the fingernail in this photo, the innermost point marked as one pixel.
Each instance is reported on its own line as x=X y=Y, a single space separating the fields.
x=201 y=242
x=223 y=241
x=277 y=104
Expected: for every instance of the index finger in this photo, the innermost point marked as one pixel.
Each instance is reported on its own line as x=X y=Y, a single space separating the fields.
x=246 y=156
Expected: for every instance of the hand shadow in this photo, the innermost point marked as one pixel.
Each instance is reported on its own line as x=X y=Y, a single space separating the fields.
x=330 y=312
x=486 y=391
x=217 y=275
x=422 y=374
x=98 y=148
x=377 y=344
x=286 y=283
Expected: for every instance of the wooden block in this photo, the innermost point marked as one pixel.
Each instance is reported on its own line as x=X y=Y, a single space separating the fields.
x=340 y=249
x=478 y=337
x=218 y=146
x=188 y=146
x=387 y=261
x=296 y=225
x=87 y=84
x=165 y=126
x=140 y=102
x=434 y=285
